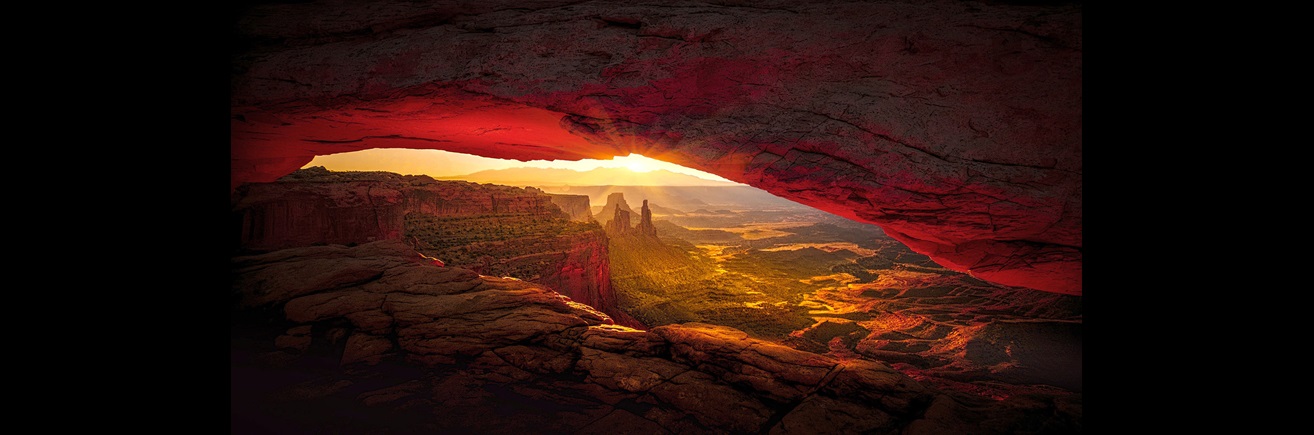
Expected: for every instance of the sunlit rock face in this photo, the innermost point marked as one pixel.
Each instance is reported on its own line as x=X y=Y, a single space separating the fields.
x=955 y=126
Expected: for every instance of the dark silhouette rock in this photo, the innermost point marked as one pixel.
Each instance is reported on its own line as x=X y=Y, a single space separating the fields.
x=645 y=227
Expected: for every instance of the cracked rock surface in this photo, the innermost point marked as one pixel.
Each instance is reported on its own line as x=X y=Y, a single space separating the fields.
x=955 y=126
x=419 y=347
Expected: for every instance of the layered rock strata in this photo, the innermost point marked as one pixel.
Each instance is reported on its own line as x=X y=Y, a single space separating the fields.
x=493 y=230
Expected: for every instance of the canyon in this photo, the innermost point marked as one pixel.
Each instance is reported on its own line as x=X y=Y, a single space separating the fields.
x=384 y=303
x=396 y=317
x=490 y=229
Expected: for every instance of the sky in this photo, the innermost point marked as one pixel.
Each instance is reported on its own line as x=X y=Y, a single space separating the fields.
x=436 y=163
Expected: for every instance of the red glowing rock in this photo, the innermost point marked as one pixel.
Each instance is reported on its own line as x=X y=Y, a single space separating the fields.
x=956 y=127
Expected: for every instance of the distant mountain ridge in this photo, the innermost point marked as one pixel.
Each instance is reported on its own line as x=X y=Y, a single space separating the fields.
x=593 y=177
x=685 y=198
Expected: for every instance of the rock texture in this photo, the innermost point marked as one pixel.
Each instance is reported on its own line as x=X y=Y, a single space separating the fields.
x=401 y=345
x=493 y=230
x=955 y=126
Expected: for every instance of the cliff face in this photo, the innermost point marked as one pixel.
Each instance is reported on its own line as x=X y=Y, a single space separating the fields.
x=284 y=215
x=315 y=206
x=955 y=126
x=493 y=230
x=576 y=206
x=474 y=346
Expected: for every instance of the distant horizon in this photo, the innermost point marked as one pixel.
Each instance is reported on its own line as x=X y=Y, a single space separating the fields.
x=449 y=165
x=602 y=176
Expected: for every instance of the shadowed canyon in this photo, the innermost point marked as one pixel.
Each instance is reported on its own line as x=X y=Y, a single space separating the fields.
x=903 y=256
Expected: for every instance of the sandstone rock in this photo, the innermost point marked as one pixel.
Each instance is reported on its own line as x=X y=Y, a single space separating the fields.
x=537 y=359
x=425 y=281
x=624 y=340
x=620 y=421
x=390 y=394
x=499 y=313
x=627 y=373
x=956 y=126
x=780 y=373
x=274 y=283
x=820 y=414
x=713 y=404
x=307 y=309
x=365 y=348
x=297 y=338
x=875 y=382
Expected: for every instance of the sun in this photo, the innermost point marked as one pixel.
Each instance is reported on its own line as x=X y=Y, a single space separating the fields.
x=638 y=163
x=639 y=167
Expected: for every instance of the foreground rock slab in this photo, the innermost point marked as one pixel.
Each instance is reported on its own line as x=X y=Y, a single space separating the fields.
x=413 y=346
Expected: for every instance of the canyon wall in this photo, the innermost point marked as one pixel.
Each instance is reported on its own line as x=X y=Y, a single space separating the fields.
x=577 y=206
x=493 y=230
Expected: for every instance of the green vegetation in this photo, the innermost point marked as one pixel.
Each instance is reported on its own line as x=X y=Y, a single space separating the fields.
x=673 y=281
x=863 y=235
x=442 y=232
x=481 y=240
x=790 y=264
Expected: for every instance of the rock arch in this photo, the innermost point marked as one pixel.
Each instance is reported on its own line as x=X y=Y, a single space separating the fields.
x=955 y=126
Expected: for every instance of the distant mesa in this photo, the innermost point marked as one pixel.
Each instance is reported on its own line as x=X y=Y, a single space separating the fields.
x=615 y=201
x=576 y=206
x=665 y=211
